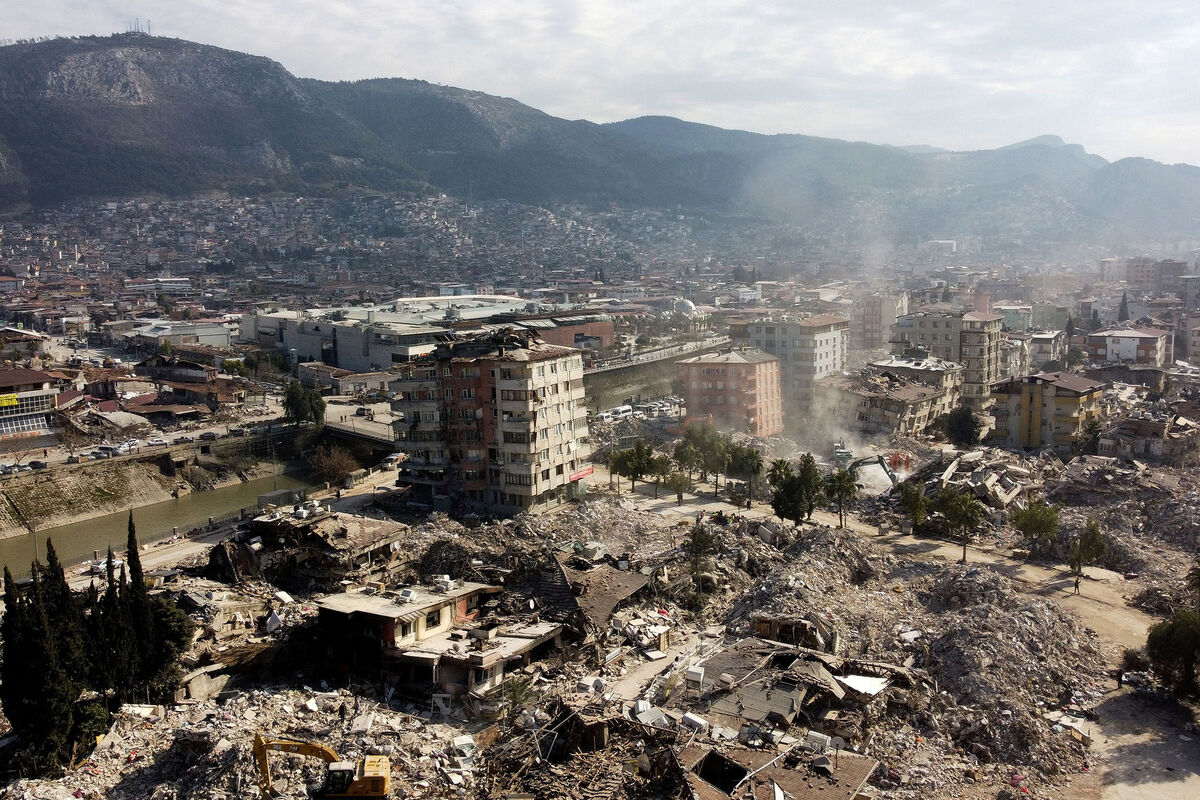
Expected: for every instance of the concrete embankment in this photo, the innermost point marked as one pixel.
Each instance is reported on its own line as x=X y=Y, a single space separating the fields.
x=56 y=497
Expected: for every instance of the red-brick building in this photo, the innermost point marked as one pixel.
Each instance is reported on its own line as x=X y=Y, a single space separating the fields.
x=740 y=389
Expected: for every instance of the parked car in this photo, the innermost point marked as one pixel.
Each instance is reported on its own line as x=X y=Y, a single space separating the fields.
x=184 y=439
x=208 y=436
x=38 y=465
x=156 y=441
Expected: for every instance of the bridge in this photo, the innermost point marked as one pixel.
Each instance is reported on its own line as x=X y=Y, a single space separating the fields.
x=660 y=354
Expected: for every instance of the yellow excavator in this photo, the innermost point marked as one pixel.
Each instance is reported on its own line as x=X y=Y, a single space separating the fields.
x=370 y=777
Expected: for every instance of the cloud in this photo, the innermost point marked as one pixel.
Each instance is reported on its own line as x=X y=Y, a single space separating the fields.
x=1113 y=76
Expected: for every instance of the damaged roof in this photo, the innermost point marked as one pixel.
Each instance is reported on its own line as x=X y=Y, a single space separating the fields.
x=599 y=590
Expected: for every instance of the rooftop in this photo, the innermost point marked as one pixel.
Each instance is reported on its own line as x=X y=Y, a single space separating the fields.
x=746 y=356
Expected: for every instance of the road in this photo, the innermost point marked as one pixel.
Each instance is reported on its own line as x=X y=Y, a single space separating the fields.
x=1139 y=741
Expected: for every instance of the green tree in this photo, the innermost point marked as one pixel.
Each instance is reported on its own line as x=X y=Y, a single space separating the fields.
x=660 y=468
x=962 y=427
x=1088 y=546
x=963 y=514
x=634 y=463
x=688 y=456
x=913 y=503
x=841 y=487
x=678 y=483
x=1038 y=523
x=810 y=486
x=295 y=406
x=1070 y=328
x=699 y=547
x=1123 y=310
x=1089 y=437
x=749 y=466
x=1173 y=648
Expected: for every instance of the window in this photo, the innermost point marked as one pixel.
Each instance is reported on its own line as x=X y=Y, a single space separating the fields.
x=449 y=393
x=445 y=372
x=467 y=394
x=506 y=374
x=433 y=619
x=518 y=480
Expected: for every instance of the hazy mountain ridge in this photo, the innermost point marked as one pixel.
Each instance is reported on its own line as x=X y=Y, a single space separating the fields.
x=133 y=114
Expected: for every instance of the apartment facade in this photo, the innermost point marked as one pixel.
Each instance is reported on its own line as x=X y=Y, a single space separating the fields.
x=808 y=349
x=741 y=389
x=1048 y=409
x=972 y=339
x=1129 y=345
x=495 y=423
x=872 y=317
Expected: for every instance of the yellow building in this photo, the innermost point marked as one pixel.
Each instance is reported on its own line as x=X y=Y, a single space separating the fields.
x=1048 y=409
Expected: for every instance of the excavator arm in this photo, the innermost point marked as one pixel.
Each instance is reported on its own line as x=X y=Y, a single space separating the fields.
x=370 y=778
x=880 y=460
x=263 y=746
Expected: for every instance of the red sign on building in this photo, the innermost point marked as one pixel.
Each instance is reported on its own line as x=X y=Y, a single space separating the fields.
x=583 y=473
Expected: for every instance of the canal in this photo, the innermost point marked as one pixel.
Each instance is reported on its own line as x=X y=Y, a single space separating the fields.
x=75 y=542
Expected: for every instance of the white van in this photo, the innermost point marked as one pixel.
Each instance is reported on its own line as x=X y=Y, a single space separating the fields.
x=621 y=412
x=111 y=450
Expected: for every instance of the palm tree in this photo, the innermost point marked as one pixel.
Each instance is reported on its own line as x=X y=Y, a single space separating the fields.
x=841 y=487
x=778 y=472
x=962 y=512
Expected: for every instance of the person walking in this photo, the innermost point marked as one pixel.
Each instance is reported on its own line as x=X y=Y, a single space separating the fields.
x=1077 y=585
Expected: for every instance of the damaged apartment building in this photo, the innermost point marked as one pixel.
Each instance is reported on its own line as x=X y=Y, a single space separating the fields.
x=902 y=394
x=493 y=423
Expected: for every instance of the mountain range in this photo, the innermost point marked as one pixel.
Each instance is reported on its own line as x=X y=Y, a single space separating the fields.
x=131 y=115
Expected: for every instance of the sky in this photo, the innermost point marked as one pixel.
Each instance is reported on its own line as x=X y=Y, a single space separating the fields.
x=1116 y=77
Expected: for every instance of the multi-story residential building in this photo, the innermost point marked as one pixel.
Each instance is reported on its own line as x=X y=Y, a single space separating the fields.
x=879 y=401
x=1129 y=345
x=1016 y=317
x=980 y=355
x=1154 y=276
x=740 y=389
x=929 y=370
x=1047 y=346
x=808 y=348
x=1050 y=316
x=1047 y=409
x=494 y=422
x=1189 y=291
x=27 y=399
x=872 y=317
x=1014 y=354
x=971 y=338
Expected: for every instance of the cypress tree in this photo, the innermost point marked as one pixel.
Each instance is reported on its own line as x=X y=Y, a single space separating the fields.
x=139 y=615
x=64 y=615
x=47 y=710
x=1123 y=310
x=15 y=690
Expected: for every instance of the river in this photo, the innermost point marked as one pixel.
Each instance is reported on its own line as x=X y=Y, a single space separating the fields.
x=75 y=542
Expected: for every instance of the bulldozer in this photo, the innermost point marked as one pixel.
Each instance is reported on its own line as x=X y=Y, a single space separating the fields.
x=370 y=777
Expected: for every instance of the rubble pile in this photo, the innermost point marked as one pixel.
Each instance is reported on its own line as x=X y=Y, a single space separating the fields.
x=202 y=751
x=1006 y=660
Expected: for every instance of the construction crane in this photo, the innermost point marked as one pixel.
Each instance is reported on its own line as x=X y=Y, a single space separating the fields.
x=370 y=777
x=853 y=466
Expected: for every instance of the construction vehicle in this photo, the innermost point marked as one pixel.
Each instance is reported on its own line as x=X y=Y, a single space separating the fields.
x=853 y=466
x=370 y=777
